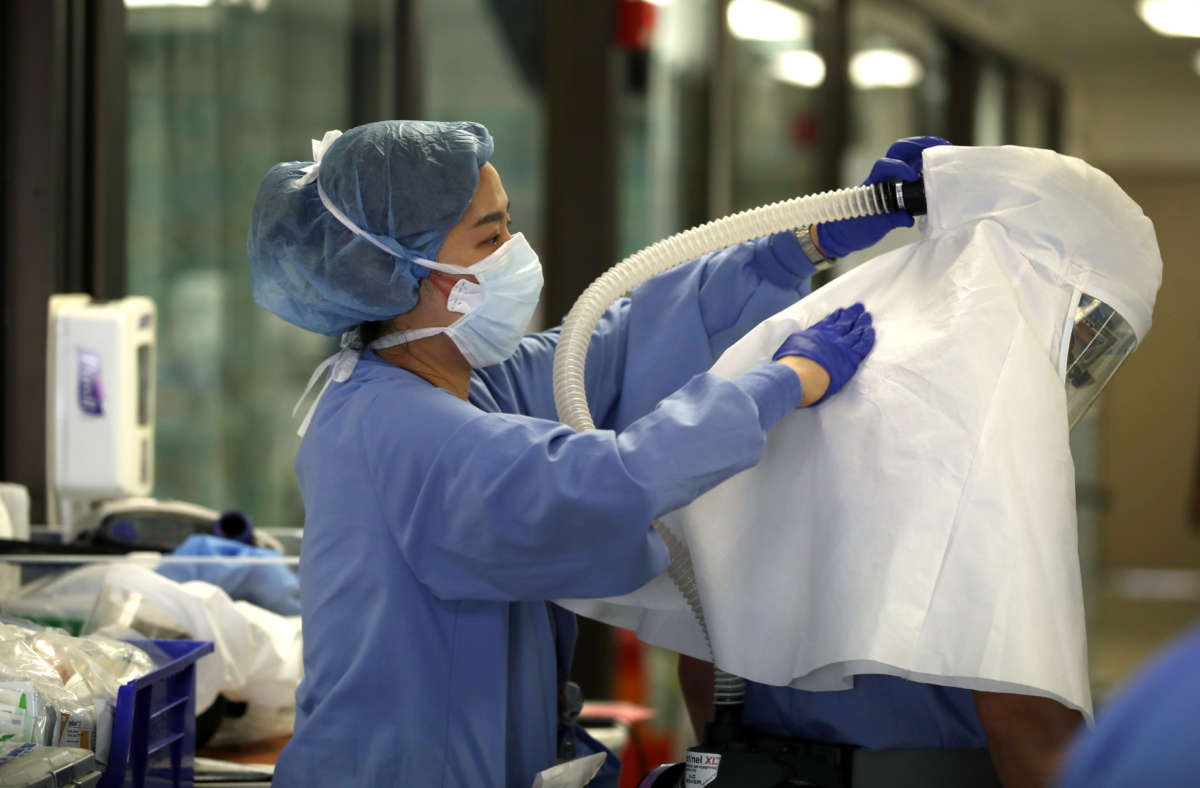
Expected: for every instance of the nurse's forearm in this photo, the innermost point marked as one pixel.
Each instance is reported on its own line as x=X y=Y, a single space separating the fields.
x=813 y=378
x=1027 y=735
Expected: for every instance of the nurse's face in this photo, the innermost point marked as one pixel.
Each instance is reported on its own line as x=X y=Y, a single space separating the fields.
x=483 y=228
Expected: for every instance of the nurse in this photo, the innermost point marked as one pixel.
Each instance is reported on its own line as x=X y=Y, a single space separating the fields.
x=444 y=502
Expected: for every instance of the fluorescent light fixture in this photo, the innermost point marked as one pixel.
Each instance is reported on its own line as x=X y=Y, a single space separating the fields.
x=1171 y=17
x=884 y=68
x=766 y=20
x=257 y=5
x=167 y=3
x=801 y=67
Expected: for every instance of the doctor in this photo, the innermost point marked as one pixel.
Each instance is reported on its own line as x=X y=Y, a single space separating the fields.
x=947 y=736
x=444 y=502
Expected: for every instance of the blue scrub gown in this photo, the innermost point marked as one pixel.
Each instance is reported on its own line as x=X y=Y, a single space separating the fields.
x=436 y=528
x=879 y=713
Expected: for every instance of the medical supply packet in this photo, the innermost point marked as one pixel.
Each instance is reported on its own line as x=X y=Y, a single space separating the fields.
x=60 y=690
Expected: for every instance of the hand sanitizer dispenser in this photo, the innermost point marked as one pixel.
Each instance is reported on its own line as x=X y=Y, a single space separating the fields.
x=100 y=417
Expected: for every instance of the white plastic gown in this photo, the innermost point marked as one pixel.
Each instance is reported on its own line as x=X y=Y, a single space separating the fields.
x=921 y=523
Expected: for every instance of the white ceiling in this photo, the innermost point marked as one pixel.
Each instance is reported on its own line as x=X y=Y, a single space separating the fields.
x=1069 y=37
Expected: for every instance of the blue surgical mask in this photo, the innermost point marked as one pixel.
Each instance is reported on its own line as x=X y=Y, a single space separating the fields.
x=496 y=311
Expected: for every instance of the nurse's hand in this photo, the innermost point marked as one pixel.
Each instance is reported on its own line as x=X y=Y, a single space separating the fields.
x=902 y=162
x=827 y=354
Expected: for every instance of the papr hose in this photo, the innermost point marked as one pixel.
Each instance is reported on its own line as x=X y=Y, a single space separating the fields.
x=570 y=396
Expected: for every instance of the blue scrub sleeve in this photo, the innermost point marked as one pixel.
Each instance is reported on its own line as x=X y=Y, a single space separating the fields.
x=739 y=287
x=683 y=320
x=519 y=508
x=675 y=326
x=879 y=713
x=525 y=382
x=1148 y=734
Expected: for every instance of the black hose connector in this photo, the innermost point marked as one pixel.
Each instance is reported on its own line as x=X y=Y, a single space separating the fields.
x=907 y=196
x=725 y=728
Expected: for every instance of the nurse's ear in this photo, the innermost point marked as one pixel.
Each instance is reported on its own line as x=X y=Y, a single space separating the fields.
x=430 y=310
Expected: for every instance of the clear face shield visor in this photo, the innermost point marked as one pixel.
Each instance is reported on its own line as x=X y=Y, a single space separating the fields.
x=1100 y=341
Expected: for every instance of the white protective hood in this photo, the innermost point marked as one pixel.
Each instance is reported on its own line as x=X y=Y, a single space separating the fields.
x=921 y=523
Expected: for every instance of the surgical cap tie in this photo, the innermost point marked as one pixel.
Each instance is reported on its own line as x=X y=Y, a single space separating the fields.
x=349 y=224
x=311 y=173
x=342 y=362
x=318 y=148
x=345 y=360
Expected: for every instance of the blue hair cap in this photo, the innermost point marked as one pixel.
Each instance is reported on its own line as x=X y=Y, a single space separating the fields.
x=405 y=183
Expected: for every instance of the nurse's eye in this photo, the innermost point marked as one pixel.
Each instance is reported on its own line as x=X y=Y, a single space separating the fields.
x=496 y=240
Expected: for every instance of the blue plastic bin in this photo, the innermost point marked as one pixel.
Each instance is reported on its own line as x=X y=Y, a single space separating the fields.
x=154 y=724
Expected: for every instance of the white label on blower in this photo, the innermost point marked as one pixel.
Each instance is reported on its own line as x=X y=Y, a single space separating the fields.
x=701 y=769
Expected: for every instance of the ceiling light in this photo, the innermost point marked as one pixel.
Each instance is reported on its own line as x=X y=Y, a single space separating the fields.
x=167 y=3
x=885 y=68
x=256 y=5
x=766 y=20
x=801 y=67
x=1171 y=17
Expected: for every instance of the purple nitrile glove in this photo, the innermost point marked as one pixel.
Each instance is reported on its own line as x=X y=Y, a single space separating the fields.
x=901 y=162
x=838 y=343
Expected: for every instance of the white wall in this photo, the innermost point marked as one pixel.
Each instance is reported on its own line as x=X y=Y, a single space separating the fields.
x=1142 y=126
x=1129 y=118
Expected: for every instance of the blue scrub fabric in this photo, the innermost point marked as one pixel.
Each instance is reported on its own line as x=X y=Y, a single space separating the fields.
x=1149 y=734
x=436 y=528
x=879 y=713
